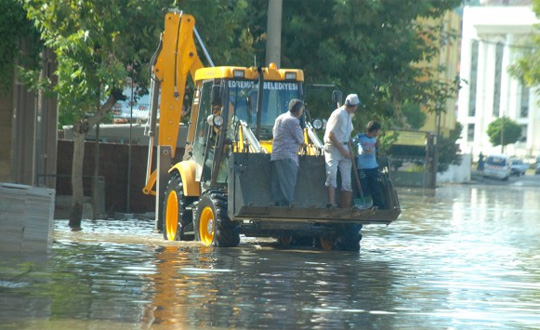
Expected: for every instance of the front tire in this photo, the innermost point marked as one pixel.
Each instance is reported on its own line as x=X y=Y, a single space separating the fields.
x=174 y=214
x=212 y=224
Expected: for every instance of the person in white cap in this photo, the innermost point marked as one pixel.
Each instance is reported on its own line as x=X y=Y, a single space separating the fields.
x=337 y=153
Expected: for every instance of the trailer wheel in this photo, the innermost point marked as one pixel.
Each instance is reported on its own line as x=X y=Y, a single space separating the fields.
x=175 y=215
x=212 y=224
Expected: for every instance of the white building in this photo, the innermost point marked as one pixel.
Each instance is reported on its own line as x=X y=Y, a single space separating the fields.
x=492 y=39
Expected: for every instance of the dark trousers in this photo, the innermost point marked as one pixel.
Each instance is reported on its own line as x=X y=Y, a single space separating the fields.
x=369 y=178
x=283 y=176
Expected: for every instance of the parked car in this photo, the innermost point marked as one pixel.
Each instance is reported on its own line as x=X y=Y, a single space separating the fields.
x=537 y=170
x=498 y=166
x=519 y=167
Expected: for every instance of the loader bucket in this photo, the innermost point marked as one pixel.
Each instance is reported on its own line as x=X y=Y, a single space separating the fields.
x=250 y=195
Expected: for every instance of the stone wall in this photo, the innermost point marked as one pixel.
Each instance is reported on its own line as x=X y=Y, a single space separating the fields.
x=457 y=173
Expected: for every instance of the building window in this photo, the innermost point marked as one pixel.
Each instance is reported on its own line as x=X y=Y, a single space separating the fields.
x=524 y=109
x=497 y=81
x=523 y=137
x=470 y=132
x=473 y=78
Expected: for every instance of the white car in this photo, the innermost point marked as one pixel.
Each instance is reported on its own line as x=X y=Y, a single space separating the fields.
x=519 y=167
x=498 y=166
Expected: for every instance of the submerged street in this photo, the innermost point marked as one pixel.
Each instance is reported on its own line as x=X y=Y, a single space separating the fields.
x=465 y=257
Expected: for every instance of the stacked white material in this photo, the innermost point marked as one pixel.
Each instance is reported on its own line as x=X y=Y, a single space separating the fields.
x=26 y=218
x=12 y=214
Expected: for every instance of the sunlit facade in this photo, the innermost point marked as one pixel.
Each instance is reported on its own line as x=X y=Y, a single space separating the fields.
x=449 y=58
x=492 y=40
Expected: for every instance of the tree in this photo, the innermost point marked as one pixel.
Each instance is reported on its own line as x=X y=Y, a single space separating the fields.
x=449 y=150
x=98 y=45
x=503 y=129
x=415 y=117
x=527 y=68
x=377 y=49
x=373 y=48
x=101 y=44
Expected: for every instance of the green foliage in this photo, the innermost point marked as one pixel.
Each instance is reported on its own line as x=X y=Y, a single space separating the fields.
x=371 y=48
x=367 y=47
x=15 y=30
x=386 y=140
x=415 y=169
x=98 y=44
x=448 y=149
x=511 y=131
x=227 y=29
x=415 y=117
x=527 y=67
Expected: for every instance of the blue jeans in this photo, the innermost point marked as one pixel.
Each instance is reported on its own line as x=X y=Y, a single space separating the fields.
x=369 y=178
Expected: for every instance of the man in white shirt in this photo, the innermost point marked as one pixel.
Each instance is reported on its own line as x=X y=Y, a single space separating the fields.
x=288 y=137
x=337 y=153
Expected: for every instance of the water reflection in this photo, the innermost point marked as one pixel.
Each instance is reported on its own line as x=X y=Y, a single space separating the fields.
x=463 y=258
x=262 y=288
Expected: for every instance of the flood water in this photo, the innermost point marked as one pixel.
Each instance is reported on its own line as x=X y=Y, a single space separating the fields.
x=466 y=257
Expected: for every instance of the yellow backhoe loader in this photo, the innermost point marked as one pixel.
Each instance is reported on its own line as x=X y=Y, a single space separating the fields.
x=221 y=188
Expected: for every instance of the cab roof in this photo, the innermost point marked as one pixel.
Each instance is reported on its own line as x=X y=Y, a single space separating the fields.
x=249 y=73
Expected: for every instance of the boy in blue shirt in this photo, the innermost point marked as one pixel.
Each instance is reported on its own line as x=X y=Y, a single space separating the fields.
x=368 y=169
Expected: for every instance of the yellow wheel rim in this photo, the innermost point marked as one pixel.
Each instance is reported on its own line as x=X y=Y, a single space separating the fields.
x=171 y=216
x=326 y=244
x=206 y=226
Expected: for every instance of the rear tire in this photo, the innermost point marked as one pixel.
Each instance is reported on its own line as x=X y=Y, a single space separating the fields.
x=302 y=241
x=349 y=238
x=326 y=243
x=174 y=214
x=284 y=241
x=212 y=224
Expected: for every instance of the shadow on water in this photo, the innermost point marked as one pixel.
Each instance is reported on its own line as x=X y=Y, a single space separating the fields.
x=461 y=258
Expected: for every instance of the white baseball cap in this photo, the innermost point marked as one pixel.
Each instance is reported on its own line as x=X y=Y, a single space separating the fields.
x=352 y=100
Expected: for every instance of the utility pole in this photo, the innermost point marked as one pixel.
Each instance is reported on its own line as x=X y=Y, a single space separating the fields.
x=128 y=188
x=437 y=144
x=273 y=27
x=95 y=189
x=502 y=134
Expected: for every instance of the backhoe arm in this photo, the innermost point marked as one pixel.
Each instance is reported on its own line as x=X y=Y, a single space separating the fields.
x=177 y=59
